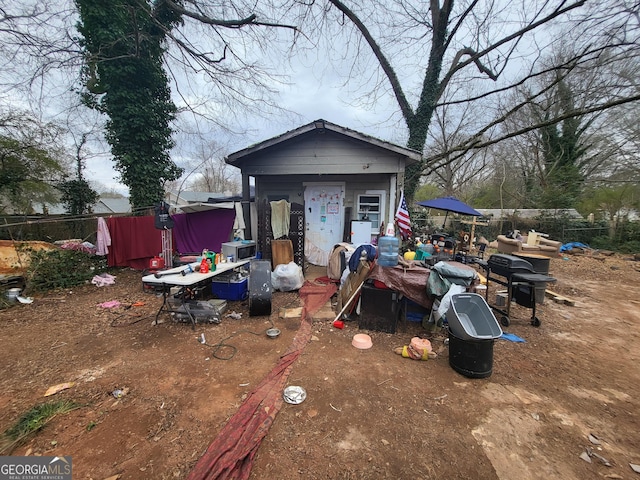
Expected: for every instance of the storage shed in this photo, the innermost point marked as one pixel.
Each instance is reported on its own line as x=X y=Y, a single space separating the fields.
x=337 y=184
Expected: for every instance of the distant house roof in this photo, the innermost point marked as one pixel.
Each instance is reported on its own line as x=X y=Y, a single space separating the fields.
x=235 y=198
x=530 y=212
x=177 y=199
x=49 y=209
x=104 y=206
x=112 y=205
x=199 y=196
x=189 y=202
x=321 y=125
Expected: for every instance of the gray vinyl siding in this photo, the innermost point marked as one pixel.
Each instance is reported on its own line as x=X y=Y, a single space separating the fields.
x=323 y=155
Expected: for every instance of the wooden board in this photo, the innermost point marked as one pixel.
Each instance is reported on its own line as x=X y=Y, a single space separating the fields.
x=290 y=312
x=281 y=252
x=560 y=298
x=15 y=257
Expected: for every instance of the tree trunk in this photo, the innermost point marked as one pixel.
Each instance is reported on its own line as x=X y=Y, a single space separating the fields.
x=418 y=123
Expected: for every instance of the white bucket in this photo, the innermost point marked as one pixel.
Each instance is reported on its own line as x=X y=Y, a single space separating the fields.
x=12 y=294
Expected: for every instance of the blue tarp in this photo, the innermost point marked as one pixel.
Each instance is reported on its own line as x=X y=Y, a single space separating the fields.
x=572 y=245
x=512 y=337
x=354 y=260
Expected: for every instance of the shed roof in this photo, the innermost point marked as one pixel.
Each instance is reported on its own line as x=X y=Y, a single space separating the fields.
x=320 y=126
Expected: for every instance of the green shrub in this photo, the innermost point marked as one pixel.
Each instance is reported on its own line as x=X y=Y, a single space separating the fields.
x=630 y=247
x=62 y=269
x=601 y=243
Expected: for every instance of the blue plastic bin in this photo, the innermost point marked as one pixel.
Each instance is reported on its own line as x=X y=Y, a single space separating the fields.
x=229 y=288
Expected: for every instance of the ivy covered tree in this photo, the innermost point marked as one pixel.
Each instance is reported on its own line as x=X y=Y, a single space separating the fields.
x=562 y=149
x=440 y=54
x=124 y=44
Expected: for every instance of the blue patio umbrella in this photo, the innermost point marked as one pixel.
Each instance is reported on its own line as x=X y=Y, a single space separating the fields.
x=450 y=204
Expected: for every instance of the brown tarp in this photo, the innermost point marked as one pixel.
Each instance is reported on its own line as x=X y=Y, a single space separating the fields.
x=410 y=281
x=232 y=452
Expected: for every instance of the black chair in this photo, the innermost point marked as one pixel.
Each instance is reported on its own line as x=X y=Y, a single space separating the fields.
x=466 y=258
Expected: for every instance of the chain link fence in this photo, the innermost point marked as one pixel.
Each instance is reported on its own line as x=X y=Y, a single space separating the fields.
x=624 y=236
x=48 y=229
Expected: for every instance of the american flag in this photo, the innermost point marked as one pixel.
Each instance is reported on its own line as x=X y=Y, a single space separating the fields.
x=402 y=218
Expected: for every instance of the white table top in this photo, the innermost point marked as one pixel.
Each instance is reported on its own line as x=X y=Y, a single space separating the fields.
x=174 y=276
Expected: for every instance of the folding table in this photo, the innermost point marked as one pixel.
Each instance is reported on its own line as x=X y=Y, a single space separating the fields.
x=166 y=279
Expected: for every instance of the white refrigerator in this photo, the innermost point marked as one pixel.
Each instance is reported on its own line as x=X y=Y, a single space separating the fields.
x=360 y=232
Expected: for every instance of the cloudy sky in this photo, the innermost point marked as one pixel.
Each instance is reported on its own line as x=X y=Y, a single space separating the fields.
x=314 y=87
x=307 y=98
x=311 y=88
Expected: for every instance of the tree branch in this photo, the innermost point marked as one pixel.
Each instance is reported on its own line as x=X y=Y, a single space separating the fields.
x=532 y=26
x=403 y=103
x=473 y=54
x=238 y=23
x=475 y=142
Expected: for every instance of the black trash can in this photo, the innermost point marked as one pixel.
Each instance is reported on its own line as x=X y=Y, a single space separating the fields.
x=472 y=358
x=260 y=287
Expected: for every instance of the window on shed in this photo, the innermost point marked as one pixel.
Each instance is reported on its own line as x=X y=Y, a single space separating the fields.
x=370 y=208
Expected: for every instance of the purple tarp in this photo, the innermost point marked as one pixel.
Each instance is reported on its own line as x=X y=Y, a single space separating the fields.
x=193 y=232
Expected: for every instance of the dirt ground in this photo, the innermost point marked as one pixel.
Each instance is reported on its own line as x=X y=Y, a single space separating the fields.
x=369 y=414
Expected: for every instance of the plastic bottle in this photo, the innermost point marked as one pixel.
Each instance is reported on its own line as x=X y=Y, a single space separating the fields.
x=388 y=249
x=204 y=266
x=187 y=270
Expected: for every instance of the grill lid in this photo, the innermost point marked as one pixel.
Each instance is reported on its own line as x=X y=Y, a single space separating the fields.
x=500 y=262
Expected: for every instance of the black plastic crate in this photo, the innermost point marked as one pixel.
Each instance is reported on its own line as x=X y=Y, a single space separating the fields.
x=379 y=309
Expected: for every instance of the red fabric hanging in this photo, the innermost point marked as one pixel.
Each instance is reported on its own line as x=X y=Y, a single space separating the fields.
x=134 y=240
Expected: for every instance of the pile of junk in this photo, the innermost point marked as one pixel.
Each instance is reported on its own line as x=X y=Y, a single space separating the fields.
x=379 y=293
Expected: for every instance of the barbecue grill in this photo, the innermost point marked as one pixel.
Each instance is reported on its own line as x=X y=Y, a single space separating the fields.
x=524 y=284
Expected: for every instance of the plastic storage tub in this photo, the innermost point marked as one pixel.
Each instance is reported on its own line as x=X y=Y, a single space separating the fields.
x=470 y=318
x=414 y=312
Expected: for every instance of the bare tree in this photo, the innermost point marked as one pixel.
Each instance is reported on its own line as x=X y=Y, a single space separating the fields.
x=558 y=159
x=451 y=126
x=422 y=48
x=230 y=47
x=206 y=169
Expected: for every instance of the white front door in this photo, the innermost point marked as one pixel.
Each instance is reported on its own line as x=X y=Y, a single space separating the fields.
x=324 y=220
